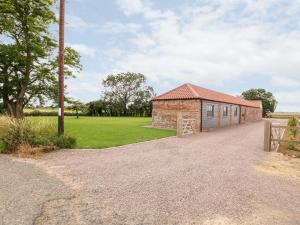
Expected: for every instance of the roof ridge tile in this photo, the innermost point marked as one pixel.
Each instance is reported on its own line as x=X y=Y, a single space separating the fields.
x=191 y=91
x=190 y=86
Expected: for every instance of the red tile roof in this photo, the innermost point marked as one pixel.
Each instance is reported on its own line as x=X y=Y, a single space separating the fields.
x=190 y=91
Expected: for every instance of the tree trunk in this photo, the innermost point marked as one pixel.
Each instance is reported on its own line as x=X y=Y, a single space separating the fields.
x=125 y=109
x=15 y=109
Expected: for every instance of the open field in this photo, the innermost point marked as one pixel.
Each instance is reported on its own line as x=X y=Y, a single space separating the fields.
x=48 y=110
x=283 y=115
x=103 y=132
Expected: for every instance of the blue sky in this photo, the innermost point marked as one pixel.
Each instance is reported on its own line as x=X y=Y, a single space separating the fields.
x=226 y=45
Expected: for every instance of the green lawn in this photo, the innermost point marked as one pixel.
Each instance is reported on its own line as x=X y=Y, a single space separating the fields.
x=103 y=132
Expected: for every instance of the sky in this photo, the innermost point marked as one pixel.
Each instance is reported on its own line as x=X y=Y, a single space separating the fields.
x=225 y=45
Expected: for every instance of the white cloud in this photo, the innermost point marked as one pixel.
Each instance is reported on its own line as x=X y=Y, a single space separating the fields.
x=78 y=23
x=143 y=41
x=285 y=82
x=117 y=27
x=215 y=41
x=144 y=7
x=83 y=49
x=208 y=42
x=131 y=6
x=288 y=101
x=86 y=86
x=204 y=42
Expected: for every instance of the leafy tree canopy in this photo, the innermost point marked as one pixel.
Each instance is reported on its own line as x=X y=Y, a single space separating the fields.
x=268 y=99
x=28 y=56
x=126 y=89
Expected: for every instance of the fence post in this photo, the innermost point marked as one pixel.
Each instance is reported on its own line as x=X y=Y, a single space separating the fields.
x=267 y=136
x=179 y=124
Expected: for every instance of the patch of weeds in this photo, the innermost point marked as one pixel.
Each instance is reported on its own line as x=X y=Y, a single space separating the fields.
x=24 y=137
x=292 y=122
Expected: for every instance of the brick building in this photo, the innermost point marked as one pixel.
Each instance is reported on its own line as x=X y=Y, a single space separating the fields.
x=209 y=109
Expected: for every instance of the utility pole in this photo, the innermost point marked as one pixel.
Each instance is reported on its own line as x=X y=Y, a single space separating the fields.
x=61 y=85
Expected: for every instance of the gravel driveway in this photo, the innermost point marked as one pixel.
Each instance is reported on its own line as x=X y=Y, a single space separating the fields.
x=208 y=178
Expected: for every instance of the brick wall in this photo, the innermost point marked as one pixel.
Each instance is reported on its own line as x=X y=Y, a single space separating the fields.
x=164 y=113
x=250 y=114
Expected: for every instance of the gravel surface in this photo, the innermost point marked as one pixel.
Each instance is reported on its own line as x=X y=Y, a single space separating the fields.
x=210 y=178
x=24 y=191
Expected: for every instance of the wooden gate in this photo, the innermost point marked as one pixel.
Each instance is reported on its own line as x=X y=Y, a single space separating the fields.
x=185 y=126
x=274 y=135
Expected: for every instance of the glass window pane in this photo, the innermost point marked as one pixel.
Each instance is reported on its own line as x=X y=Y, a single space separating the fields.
x=210 y=110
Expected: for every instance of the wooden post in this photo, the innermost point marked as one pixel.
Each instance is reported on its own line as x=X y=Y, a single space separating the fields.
x=267 y=136
x=61 y=86
x=179 y=124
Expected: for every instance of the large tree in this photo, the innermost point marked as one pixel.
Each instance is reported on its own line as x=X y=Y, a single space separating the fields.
x=28 y=54
x=142 y=104
x=268 y=99
x=123 y=89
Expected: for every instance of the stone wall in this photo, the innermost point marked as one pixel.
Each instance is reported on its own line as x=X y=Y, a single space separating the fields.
x=185 y=126
x=188 y=126
x=164 y=113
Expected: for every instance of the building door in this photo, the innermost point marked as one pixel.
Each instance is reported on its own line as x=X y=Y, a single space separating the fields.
x=243 y=114
x=210 y=113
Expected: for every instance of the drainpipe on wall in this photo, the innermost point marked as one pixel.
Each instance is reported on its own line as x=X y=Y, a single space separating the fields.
x=201 y=116
x=240 y=112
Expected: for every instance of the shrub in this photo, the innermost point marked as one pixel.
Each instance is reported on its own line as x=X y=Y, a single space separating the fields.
x=31 y=137
x=291 y=145
x=291 y=142
x=65 y=141
x=17 y=133
x=294 y=133
x=25 y=132
x=292 y=122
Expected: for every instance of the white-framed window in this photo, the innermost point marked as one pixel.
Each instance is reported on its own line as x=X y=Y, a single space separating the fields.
x=236 y=111
x=225 y=111
x=210 y=111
